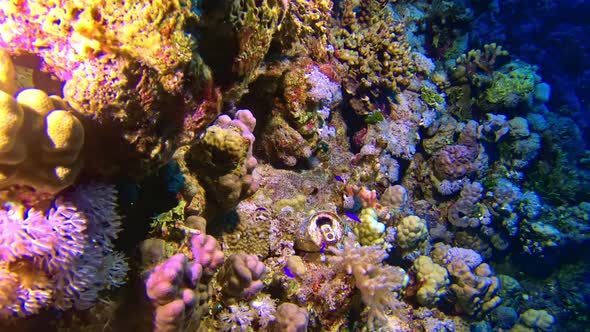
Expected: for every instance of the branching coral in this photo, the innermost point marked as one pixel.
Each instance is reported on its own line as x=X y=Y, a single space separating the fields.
x=173 y=286
x=476 y=61
x=379 y=284
x=373 y=51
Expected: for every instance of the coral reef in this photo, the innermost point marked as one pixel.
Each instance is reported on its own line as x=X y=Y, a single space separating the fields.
x=222 y=159
x=290 y=165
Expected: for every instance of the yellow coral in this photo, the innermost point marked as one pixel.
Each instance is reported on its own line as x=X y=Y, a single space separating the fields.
x=433 y=279
x=411 y=232
x=65 y=134
x=7 y=74
x=369 y=231
x=36 y=104
x=39 y=144
x=475 y=290
x=12 y=118
x=539 y=319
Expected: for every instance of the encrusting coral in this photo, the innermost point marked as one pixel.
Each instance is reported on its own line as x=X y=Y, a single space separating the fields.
x=376 y=171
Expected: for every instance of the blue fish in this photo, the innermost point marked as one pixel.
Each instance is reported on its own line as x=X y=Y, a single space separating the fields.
x=323 y=247
x=261 y=209
x=353 y=217
x=288 y=272
x=339 y=178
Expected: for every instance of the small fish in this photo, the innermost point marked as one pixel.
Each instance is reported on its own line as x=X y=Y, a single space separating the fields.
x=261 y=209
x=323 y=247
x=353 y=217
x=339 y=178
x=288 y=272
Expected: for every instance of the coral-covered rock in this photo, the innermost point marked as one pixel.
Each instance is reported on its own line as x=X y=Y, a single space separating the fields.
x=454 y=162
x=240 y=276
x=222 y=159
x=290 y=318
x=134 y=79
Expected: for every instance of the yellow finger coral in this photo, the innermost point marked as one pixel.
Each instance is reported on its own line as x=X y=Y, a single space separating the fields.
x=40 y=140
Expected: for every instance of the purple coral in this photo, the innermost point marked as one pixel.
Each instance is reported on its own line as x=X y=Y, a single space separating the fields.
x=466 y=212
x=207 y=253
x=172 y=285
x=454 y=162
x=66 y=252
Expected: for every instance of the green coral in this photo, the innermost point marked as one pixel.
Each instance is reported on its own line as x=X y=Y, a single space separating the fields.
x=169 y=219
x=374 y=117
x=512 y=84
x=431 y=97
